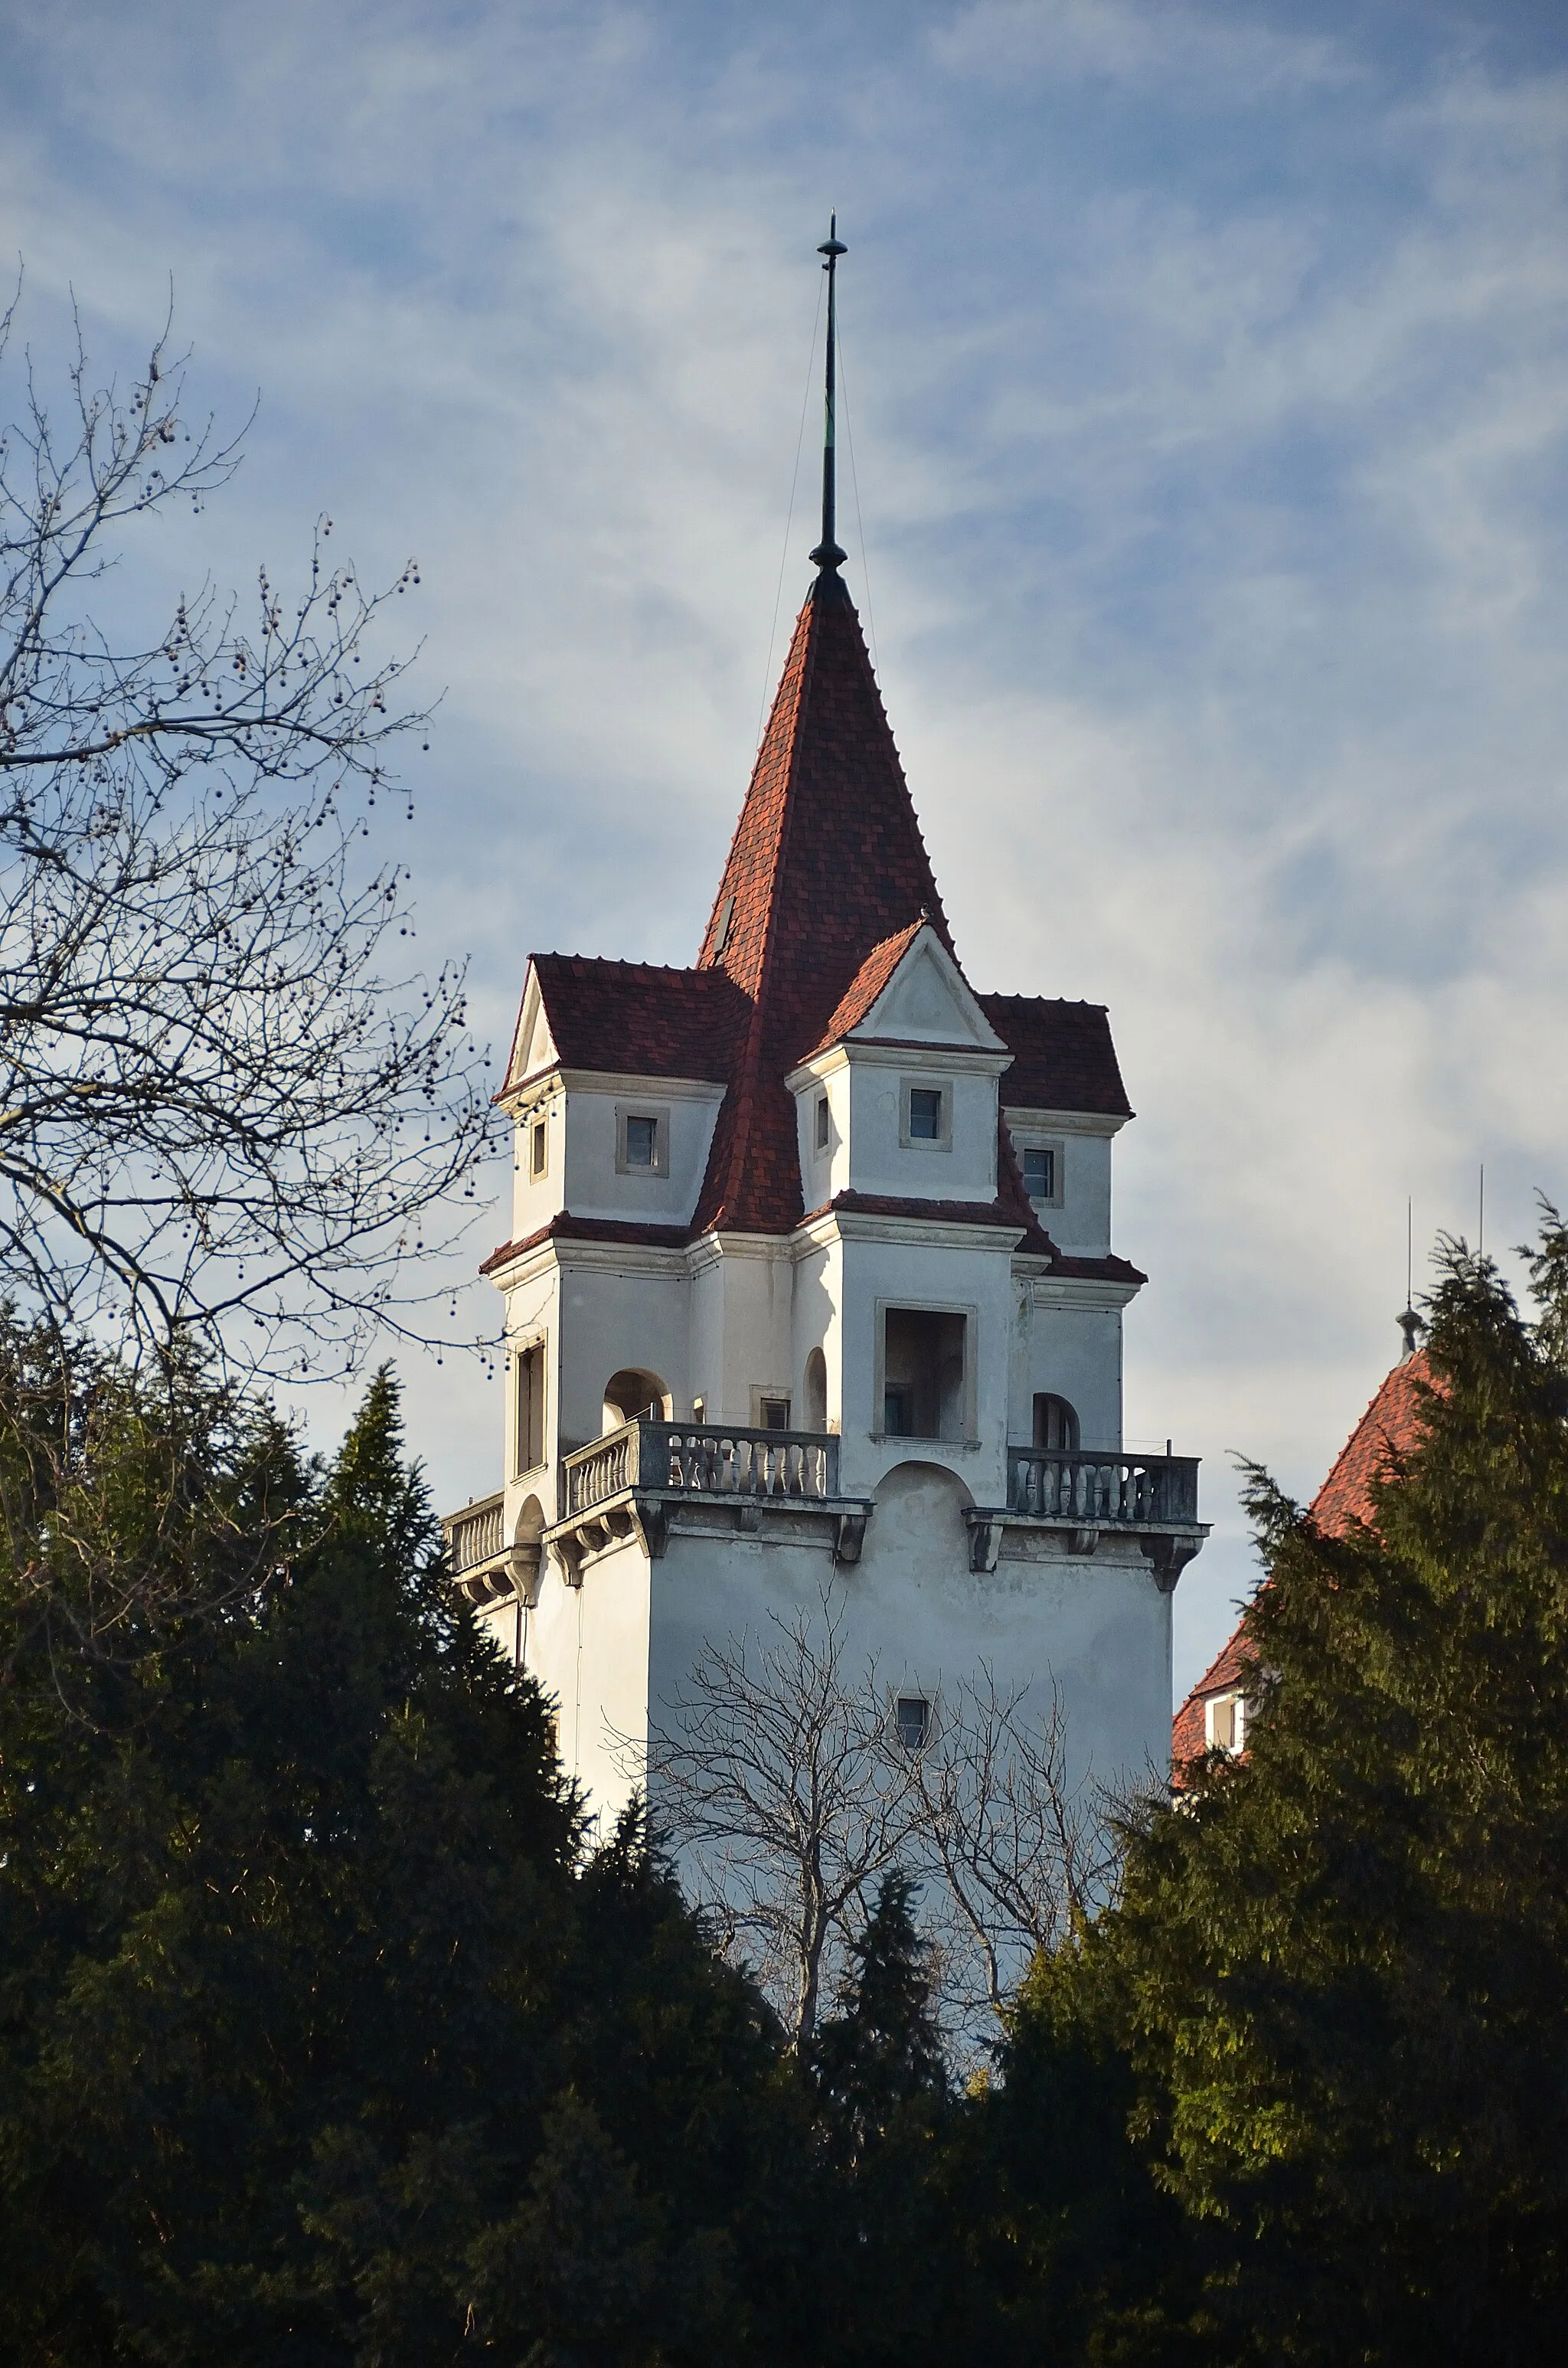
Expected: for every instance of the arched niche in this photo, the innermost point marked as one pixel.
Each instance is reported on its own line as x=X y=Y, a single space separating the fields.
x=816 y=1391
x=632 y=1391
x=1055 y=1424
x=918 y=1528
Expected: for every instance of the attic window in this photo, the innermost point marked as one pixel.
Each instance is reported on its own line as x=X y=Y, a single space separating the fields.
x=721 y=926
x=926 y=1116
x=538 y=1142
x=1040 y=1172
x=1227 y=1719
x=641 y=1141
x=822 y=1122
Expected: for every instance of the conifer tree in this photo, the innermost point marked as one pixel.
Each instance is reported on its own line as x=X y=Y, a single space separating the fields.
x=1335 y=1977
x=318 y=2041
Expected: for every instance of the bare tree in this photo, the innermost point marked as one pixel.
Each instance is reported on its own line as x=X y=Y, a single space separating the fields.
x=220 y=1114
x=1020 y=1851
x=781 y=1774
x=772 y=1773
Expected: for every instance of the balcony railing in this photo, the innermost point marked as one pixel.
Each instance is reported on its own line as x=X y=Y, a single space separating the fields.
x=701 y=1459
x=477 y=1535
x=1087 y=1489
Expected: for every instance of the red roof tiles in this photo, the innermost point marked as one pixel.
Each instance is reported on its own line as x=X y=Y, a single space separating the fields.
x=639 y=1019
x=1062 y=1055
x=827 y=862
x=826 y=885
x=1389 y=1428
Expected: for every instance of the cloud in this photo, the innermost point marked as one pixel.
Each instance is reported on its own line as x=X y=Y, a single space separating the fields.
x=1205 y=373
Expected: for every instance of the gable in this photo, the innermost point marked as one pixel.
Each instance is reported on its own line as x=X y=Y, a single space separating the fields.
x=924 y=1000
x=534 y=1048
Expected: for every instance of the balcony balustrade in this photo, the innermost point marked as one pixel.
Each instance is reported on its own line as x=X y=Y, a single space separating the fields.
x=1089 y=1489
x=701 y=1459
x=477 y=1535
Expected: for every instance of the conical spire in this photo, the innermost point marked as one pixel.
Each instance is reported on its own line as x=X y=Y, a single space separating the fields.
x=827 y=861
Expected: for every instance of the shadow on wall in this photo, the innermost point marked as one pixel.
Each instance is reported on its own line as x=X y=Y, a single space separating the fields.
x=918 y=1527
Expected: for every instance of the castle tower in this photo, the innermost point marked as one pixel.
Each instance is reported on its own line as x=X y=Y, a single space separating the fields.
x=811 y=1282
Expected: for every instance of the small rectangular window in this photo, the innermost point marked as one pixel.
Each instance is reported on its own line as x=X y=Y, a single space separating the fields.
x=1040 y=1174
x=912 y=1715
x=537 y=1147
x=775 y=1414
x=822 y=1122
x=642 y=1142
x=531 y=1406
x=925 y=1113
x=1225 y=1724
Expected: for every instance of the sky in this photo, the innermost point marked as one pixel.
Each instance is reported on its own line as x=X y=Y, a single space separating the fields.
x=1204 y=368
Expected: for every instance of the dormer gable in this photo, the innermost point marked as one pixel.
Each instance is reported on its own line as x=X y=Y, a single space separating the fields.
x=534 y=1049
x=911 y=991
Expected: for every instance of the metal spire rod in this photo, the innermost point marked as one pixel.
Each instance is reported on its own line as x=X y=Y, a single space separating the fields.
x=827 y=553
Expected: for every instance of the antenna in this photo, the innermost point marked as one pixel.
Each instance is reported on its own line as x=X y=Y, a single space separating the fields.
x=827 y=554
x=1480 y=1216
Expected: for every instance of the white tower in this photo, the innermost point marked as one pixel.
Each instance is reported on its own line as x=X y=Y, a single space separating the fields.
x=811 y=1273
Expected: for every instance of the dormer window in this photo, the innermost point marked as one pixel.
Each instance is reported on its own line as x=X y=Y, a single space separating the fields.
x=1227 y=1723
x=926 y=1116
x=1043 y=1166
x=641 y=1141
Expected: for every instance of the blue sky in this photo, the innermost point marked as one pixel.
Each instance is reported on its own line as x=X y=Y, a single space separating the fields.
x=1205 y=368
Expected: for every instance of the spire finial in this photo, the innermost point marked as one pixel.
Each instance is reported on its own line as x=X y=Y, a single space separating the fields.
x=827 y=554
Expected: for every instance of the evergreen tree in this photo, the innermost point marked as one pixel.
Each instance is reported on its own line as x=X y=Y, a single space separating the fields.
x=1335 y=1977
x=319 y=2041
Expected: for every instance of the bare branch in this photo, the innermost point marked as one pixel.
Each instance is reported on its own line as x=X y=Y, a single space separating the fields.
x=222 y=1115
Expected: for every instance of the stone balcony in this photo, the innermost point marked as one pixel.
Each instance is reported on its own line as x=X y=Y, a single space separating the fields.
x=1074 y=1499
x=725 y=1477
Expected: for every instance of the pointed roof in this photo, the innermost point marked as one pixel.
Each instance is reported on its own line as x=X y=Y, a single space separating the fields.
x=1389 y=1428
x=827 y=864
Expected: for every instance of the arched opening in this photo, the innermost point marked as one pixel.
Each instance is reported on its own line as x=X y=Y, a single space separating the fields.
x=816 y=1391
x=1055 y=1424
x=632 y=1391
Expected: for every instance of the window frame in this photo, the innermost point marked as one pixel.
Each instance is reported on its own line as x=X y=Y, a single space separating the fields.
x=658 y=1113
x=968 y=1408
x=821 y=1126
x=943 y=1088
x=927 y=1721
x=530 y=1356
x=771 y=1393
x=1056 y=1145
x=538 y=1145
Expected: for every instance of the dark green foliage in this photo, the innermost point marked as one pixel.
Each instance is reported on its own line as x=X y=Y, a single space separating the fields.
x=315 y=2043
x=1334 y=1993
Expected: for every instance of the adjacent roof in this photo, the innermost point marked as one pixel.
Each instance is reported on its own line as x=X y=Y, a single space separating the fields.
x=1389 y=1428
x=638 y=1018
x=1062 y=1055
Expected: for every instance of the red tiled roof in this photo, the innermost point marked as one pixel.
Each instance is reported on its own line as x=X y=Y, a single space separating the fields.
x=826 y=884
x=1062 y=1055
x=1389 y=1428
x=564 y=1227
x=638 y=1018
x=826 y=864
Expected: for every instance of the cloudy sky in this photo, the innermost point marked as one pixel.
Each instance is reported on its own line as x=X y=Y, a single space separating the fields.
x=1206 y=372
